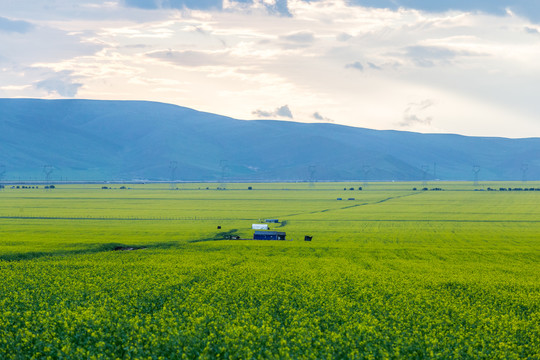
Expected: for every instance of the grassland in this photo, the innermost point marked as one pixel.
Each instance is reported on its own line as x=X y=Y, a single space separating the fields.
x=394 y=273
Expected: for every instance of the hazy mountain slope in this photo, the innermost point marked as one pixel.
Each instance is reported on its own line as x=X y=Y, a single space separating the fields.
x=113 y=140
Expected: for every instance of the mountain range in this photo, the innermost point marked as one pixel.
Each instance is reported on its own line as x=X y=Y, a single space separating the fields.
x=128 y=140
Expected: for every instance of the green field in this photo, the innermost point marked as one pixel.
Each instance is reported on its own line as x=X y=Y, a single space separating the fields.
x=394 y=273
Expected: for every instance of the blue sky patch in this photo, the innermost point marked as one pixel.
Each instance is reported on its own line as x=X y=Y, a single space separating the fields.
x=526 y=8
x=176 y=4
x=16 y=26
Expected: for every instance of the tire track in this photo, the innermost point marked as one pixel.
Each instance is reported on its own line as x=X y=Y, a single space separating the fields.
x=357 y=205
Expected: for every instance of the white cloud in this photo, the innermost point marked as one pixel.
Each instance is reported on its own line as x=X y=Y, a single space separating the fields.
x=415 y=113
x=61 y=83
x=355 y=65
x=15 y=87
x=428 y=56
x=299 y=37
x=317 y=116
x=191 y=58
x=280 y=112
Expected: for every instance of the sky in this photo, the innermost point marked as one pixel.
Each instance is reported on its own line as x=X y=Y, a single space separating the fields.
x=467 y=67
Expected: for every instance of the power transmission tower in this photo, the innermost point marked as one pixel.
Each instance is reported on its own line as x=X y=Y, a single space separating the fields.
x=312 y=169
x=366 y=169
x=524 y=169
x=476 y=170
x=2 y=173
x=224 y=168
x=47 y=170
x=172 y=167
x=425 y=170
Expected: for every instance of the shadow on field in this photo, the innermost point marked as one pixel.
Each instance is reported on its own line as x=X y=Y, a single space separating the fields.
x=226 y=235
x=94 y=248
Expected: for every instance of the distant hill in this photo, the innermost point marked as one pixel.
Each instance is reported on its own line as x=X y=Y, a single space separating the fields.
x=126 y=140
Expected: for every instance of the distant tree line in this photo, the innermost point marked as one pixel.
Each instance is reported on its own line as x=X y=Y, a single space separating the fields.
x=515 y=189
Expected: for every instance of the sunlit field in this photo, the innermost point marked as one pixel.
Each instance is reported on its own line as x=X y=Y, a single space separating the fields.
x=391 y=272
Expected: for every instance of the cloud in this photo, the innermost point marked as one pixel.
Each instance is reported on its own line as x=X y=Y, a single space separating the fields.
x=308 y=59
x=15 y=87
x=282 y=111
x=45 y=44
x=136 y=46
x=343 y=36
x=61 y=83
x=15 y=26
x=414 y=114
x=355 y=65
x=429 y=56
x=191 y=58
x=299 y=37
x=317 y=116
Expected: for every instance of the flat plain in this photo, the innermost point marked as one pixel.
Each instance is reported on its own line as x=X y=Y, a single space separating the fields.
x=391 y=273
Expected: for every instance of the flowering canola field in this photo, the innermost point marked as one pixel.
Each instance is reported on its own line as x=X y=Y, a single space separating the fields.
x=392 y=274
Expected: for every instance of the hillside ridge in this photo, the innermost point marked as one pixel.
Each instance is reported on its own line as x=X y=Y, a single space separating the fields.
x=126 y=140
